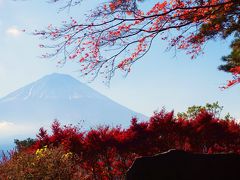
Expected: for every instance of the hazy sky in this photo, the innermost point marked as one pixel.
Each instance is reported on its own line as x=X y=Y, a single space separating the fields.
x=159 y=79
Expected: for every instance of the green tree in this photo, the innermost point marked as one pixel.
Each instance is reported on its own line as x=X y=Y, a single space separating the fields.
x=23 y=144
x=232 y=60
x=215 y=109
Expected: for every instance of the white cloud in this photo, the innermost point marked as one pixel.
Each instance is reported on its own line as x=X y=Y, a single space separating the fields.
x=13 y=31
x=8 y=128
x=5 y=125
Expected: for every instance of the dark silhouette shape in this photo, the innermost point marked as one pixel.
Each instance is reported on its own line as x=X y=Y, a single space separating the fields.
x=181 y=165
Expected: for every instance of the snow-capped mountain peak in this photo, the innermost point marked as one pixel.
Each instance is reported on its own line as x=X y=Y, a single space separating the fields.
x=54 y=86
x=65 y=98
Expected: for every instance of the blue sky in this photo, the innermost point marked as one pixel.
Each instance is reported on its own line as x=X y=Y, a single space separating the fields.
x=159 y=79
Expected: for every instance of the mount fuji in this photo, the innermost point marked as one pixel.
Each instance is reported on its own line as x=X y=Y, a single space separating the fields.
x=57 y=96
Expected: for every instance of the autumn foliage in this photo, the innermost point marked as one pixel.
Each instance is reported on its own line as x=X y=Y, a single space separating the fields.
x=107 y=152
x=127 y=29
x=45 y=163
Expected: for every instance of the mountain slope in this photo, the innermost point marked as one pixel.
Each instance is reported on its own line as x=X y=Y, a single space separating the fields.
x=59 y=96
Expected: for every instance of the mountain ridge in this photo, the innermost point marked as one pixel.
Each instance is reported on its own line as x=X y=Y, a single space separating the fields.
x=50 y=80
x=60 y=96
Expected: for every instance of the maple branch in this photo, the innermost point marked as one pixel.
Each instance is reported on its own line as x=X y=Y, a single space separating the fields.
x=120 y=26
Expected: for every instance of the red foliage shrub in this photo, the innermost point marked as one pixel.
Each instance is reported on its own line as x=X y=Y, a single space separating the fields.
x=108 y=152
